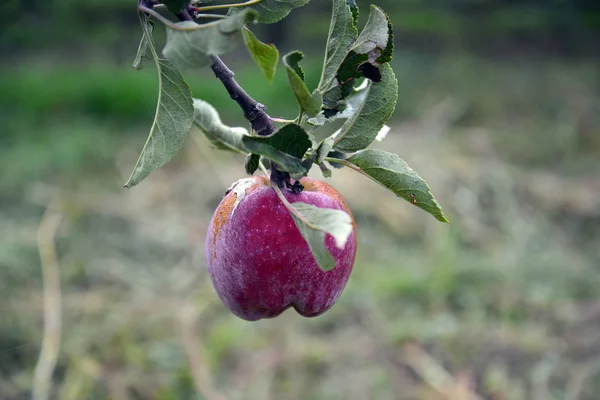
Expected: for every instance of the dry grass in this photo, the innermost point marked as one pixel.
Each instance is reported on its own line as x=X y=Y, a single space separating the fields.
x=500 y=304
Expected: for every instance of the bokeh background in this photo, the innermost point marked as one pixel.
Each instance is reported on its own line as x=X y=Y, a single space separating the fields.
x=499 y=110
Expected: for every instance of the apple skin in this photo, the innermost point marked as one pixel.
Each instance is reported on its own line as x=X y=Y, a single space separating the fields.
x=259 y=263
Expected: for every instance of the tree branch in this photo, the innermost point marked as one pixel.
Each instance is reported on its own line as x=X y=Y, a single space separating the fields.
x=254 y=111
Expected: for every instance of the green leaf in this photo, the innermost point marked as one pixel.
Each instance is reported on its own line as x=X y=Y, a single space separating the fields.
x=324 y=149
x=290 y=139
x=348 y=107
x=266 y=56
x=324 y=170
x=342 y=35
x=172 y=121
x=373 y=48
x=309 y=103
x=271 y=11
x=252 y=162
x=223 y=137
x=378 y=105
x=391 y=172
x=191 y=45
x=143 y=48
x=314 y=222
x=376 y=40
x=354 y=8
x=286 y=147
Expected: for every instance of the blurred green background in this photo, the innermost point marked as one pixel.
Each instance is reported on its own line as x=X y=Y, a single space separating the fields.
x=499 y=110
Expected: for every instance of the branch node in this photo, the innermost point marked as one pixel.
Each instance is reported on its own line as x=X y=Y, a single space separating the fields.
x=256 y=112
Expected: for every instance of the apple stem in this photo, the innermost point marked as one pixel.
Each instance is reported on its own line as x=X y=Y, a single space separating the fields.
x=279 y=178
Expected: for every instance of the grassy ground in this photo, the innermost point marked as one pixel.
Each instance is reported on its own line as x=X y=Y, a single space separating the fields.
x=503 y=302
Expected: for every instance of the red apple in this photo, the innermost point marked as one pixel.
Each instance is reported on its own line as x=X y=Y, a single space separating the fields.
x=258 y=261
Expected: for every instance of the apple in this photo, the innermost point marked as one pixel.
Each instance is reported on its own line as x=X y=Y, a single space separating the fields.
x=259 y=263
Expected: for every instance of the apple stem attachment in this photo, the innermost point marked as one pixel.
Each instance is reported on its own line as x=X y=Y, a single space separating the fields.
x=279 y=178
x=297 y=187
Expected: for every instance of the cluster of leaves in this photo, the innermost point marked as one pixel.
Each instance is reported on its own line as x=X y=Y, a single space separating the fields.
x=357 y=85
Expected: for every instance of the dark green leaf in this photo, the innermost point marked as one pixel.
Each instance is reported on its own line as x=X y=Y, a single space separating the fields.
x=336 y=165
x=350 y=70
x=373 y=48
x=271 y=11
x=376 y=40
x=191 y=44
x=309 y=103
x=290 y=139
x=252 y=162
x=347 y=107
x=391 y=172
x=266 y=56
x=354 y=8
x=342 y=35
x=172 y=121
x=286 y=147
x=376 y=108
x=336 y=155
x=314 y=223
